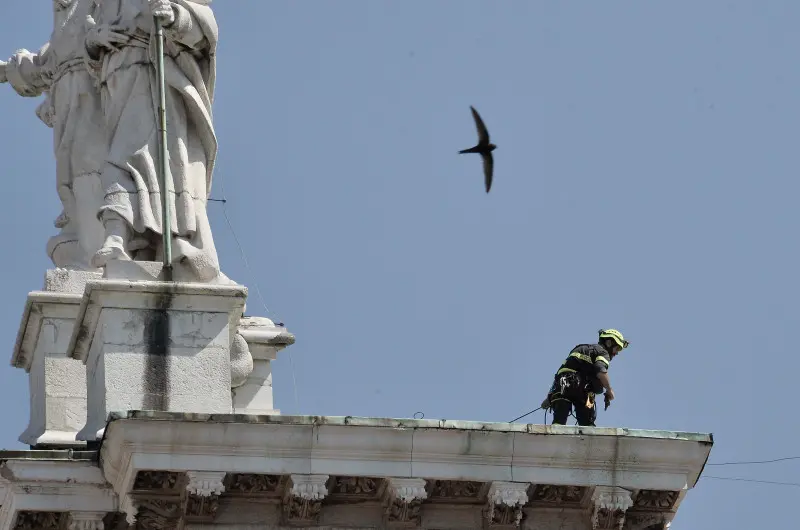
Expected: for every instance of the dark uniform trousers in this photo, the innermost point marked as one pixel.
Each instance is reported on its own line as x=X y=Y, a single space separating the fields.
x=571 y=390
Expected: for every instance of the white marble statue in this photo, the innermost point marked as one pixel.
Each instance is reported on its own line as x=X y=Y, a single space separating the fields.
x=72 y=109
x=121 y=53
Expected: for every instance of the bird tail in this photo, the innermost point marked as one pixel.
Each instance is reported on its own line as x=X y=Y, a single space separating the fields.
x=470 y=150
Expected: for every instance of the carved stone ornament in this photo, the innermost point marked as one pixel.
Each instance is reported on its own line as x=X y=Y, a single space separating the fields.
x=303 y=501
x=39 y=520
x=656 y=500
x=610 y=505
x=366 y=487
x=198 y=509
x=205 y=483
x=550 y=494
x=253 y=484
x=158 y=514
x=648 y=521
x=202 y=495
x=86 y=521
x=455 y=490
x=403 y=501
x=157 y=481
x=505 y=503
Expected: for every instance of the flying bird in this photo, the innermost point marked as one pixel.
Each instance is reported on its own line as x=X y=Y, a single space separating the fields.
x=484 y=148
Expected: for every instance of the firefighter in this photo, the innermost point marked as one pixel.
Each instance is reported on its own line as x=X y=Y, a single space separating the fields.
x=582 y=376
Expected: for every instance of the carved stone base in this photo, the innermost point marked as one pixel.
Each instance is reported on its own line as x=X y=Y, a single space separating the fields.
x=155 y=346
x=57 y=382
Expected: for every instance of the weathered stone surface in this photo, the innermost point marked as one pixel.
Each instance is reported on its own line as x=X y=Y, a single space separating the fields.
x=158 y=514
x=251 y=364
x=455 y=491
x=57 y=382
x=253 y=484
x=30 y=520
x=153 y=346
x=610 y=505
x=157 y=482
x=232 y=471
x=655 y=500
x=302 y=503
x=550 y=494
x=505 y=504
x=403 y=501
x=87 y=521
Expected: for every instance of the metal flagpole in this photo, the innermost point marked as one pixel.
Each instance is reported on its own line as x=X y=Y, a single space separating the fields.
x=166 y=222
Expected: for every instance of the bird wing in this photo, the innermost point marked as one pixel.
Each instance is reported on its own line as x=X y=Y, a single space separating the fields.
x=483 y=133
x=488 y=169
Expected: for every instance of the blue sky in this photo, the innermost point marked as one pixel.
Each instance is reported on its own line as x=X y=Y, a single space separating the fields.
x=644 y=180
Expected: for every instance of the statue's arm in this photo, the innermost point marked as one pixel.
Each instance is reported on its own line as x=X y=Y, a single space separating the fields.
x=185 y=29
x=27 y=72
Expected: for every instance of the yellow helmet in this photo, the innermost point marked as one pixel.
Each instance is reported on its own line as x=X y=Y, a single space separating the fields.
x=614 y=335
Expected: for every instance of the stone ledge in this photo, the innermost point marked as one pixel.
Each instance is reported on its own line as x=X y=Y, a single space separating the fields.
x=39 y=491
x=392 y=423
x=364 y=447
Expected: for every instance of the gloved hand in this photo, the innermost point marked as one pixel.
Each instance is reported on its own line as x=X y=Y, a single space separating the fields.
x=546 y=402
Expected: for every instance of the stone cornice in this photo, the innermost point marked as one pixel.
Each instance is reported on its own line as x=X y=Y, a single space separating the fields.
x=53 y=486
x=558 y=455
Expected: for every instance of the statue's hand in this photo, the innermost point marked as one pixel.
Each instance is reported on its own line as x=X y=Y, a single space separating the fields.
x=3 y=78
x=106 y=37
x=162 y=9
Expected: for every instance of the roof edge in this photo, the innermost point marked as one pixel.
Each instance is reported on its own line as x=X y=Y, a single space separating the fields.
x=410 y=423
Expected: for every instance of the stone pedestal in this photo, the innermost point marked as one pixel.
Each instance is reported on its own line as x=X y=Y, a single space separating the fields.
x=264 y=340
x=57 y=382
x=152 y=345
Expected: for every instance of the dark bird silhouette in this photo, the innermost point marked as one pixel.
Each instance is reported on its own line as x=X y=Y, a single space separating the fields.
x=484 y=148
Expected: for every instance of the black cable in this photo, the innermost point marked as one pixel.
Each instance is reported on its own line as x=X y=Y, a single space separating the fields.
x=737 y=479
x=742 y=463
x=526 y=414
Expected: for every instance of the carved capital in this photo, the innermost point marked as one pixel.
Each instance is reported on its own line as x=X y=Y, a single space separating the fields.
x=205 y=483
x=609 y=507
x=86 y=521
x=201 y=500
x=403 y=501
x=505 y=502
x=39 y=520
x=302 y=503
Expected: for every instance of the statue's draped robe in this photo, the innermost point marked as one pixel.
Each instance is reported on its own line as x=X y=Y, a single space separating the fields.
x=129 y=93
x=72 y=109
